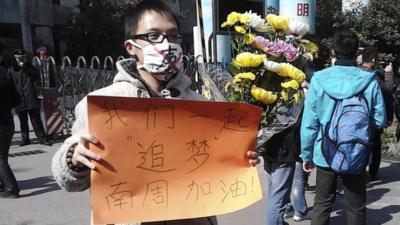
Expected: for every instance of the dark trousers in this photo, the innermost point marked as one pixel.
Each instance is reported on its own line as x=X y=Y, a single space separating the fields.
x=34 y=115
x=7 y=178
x=376 y=152
x=355 y=195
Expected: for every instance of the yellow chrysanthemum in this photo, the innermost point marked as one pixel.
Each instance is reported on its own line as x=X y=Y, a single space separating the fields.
x=290 y=84
x=298 y=96
x=243 y=76
x=233 y=17
x=227 y=86
x=226 y=24
x=207 y=94
x=261 y=95
x=310 y=46
x=278 y=22
x=288 y=70
x=247 y=59
x=248 y=39
x=240 y=29
x=284 y=96
x=244 y=18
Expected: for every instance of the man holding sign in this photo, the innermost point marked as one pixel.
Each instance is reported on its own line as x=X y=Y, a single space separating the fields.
x=154 y=71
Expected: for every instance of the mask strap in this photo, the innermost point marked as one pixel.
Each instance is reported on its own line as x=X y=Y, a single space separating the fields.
x=134 y=44
x=137 y=46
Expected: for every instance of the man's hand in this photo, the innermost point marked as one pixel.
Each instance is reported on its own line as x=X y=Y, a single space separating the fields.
x=308 y=166
x=82 y=155
x=333 y=61
x=253 y=158
x=389 y=68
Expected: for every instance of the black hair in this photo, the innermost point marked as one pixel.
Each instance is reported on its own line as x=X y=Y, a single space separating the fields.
x=369 y=54
x=19 y=52
x=1 y=47
x=135 y=13
x=345 y=44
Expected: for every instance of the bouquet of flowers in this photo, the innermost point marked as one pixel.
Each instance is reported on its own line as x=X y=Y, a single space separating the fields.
x=266 y=67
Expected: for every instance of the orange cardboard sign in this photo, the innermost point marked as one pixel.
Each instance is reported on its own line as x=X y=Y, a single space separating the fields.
x=165 y=159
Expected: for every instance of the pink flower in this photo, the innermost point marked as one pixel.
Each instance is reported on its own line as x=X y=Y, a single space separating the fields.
x=260 y=42
x=279 y=48
x=291 y=53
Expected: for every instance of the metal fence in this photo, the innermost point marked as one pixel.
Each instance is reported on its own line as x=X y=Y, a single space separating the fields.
x=68 y=83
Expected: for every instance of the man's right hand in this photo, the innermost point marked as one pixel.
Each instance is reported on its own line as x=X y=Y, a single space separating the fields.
x=308 y=166
x=389 y=68
x=82 y=155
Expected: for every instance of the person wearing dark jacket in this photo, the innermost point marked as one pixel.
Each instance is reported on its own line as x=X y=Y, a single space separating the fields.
x=24 y=76
x=385 y=81
x=280 y=163
x=9 y=99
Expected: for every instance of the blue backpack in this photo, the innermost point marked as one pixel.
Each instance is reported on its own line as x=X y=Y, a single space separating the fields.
x=346 y=140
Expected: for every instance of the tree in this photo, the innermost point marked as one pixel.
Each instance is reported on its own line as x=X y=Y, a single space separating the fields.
x=327 y=11
x=381 y=25
x=97 y=30
x=376 y=24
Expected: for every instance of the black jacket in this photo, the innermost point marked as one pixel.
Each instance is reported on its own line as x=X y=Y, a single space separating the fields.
x=9 y=98
x=386 y=86
x=284 y=146
x=385 y=81
x=397 y=101
x=24 y=79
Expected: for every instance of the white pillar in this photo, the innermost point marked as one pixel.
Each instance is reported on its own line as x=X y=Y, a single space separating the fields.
x=197 y=42
x=302 y=10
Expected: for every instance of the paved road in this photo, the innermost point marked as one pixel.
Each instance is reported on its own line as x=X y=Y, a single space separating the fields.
x=44 y=203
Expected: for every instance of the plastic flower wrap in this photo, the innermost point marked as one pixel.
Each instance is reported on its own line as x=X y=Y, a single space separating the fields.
x=265 y=67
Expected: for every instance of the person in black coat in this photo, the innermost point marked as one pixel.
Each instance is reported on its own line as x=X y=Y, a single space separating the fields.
x=385 y=81
x=9 y=99
x=283 y=150
x=24 y=76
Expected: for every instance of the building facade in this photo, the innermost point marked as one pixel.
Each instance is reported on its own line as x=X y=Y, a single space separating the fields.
x=30 y=24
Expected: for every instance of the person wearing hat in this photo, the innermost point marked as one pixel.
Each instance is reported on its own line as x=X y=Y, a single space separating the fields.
x=9 y=99
x=46 y=68
x=24 y=76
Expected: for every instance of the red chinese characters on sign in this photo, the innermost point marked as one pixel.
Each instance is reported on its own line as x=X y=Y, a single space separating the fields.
x=303 y=9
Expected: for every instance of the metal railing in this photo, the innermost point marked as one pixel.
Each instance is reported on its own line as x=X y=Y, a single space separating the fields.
x=69 y=82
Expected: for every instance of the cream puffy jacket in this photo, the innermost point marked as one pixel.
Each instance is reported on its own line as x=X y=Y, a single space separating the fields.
x=125 y=84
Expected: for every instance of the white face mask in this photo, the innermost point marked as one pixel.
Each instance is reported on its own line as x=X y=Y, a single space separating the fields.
x=162 y=60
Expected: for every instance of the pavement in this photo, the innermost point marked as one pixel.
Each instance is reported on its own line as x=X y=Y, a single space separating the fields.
x=42 y=202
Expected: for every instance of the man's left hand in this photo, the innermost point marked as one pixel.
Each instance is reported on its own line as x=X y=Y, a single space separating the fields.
x=253 y=158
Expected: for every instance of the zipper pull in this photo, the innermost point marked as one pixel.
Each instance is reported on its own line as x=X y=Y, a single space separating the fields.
x=166 y=93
